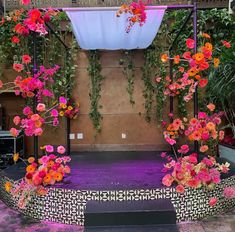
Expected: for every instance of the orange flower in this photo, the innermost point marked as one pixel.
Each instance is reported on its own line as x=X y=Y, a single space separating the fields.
x=177 y=59
x=50 y=163
x=196 y=136
x=216 y=62
x=192 y=72
x=210 y=126
x=15 y=157
x=204 y=148
x=206 y=36
x=209 y=46
x=38 y=123
x=164 y=58
x=211 y=107
x=199 y=57
x=30 y=168
x=31 y=160
x=58 y=176
x=8 y=186
x=197 y=77
x=47 y=179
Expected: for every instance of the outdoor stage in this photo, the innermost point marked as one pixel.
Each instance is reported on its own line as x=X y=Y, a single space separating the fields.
x=119 y=184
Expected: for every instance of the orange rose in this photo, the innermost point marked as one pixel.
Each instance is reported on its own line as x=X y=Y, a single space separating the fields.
x=31 y=160
x=177 y=59
x=211 y=107
x=47 y=179
x=58 y=176
x=209 y=46
x=216 y=62
x=30 y=168
x=164 y=58
x=8 y=186
x=199 y=57
x=204 y=148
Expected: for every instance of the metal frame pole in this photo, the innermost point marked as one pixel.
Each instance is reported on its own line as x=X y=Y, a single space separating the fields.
x=196 y=147
x=35 y=138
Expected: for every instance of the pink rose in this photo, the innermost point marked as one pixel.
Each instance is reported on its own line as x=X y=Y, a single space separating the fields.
x=38 y=131
x=14 y=132
x=61 y=150
x=170 y=141
x=27 y=110
x=229 y=192
x=202 y=115
x=54 y=113
x=41 y=107
x=184 y=149
x=63 y=100
x=180 y=189
x=167 y=180
x=213 y=201
x=16 y=120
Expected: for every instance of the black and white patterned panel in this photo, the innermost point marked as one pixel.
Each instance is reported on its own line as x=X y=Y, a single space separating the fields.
x=68 y=206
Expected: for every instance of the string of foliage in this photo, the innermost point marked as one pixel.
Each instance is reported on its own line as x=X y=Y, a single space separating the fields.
x=129 y=73
x=96 y=78
x=216 y=22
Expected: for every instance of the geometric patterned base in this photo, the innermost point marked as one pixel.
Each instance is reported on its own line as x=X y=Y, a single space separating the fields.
x=67 y=206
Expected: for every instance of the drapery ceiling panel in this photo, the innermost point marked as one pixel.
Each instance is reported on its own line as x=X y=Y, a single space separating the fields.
x=101 y=29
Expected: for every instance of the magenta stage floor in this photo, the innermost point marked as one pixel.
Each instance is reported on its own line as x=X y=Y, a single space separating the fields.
x=111 y=171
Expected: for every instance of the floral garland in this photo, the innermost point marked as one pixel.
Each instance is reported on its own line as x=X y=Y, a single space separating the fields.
x=137 y=11
x=49 y=170
x=192 y=72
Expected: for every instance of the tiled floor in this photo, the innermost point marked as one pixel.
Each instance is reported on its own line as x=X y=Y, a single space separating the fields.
x=11 y=221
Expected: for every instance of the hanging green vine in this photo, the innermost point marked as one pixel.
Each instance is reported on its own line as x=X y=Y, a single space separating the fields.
x=94 y=70
x=129 y=73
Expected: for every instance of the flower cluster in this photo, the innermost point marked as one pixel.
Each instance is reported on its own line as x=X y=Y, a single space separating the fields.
x=49 y=169
x=192 y=68
x=69 y=109
x=137 y=12
x=204 y=129
x=190 y=172
x=32 y=123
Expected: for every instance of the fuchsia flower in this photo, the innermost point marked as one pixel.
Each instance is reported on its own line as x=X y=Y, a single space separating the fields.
x=25 y=2
x=170 y=141
x=202 y=115
x=38 y=132
x=163 y=154
x=63 y=100
x=54 y=113
x=27 y=110
x=49 y=148
x=190 y=43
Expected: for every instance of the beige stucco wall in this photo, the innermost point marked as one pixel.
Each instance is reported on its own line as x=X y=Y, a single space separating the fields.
x=119 y=116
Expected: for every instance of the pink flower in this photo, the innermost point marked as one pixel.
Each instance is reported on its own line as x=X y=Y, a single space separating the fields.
x=213 y=201
x=44 y=159
x=207 y=162
x=37 y=180
x=42 y=174
x=63 y=100
x=205 y=136
x=67 y=169
x=41 y=107
x=54 y=113
x=59 y=160
x=55 y=122
x=180 y=189
x=194 y=183
x=163 y=154
x=25 y=2
x=16 y=120
x=27 y=110
x=184 y=149
x=167 y=180
x=190 y=43
x=49 y=148
x=66 y=159
x=170 y=141
x=221 y=135
x=26 y=59
x=211 y=107
x=35 y=117
x=52 y=156
x=193 y=158
x=61 y=150
x=1 y=84
x=202 y=115
x=229 y=192
x=38 y=132
x=18 y=67
x=14 y=132
x=204 y=148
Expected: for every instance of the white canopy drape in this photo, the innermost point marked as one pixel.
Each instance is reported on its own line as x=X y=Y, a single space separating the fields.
x=101 y=29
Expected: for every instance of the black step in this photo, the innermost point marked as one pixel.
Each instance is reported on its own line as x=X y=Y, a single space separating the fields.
x=155 y=228
x=110 y=213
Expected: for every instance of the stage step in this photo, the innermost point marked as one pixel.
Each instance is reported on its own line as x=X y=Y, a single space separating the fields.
x=127 y=213
x=156 y=228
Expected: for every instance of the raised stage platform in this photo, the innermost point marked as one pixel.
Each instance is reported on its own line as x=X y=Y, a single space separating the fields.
x=114 y=178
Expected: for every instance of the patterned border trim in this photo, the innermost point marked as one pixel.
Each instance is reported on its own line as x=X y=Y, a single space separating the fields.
x=68 y=206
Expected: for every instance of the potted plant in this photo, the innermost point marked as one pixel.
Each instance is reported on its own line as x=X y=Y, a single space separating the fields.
x=221 y=91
